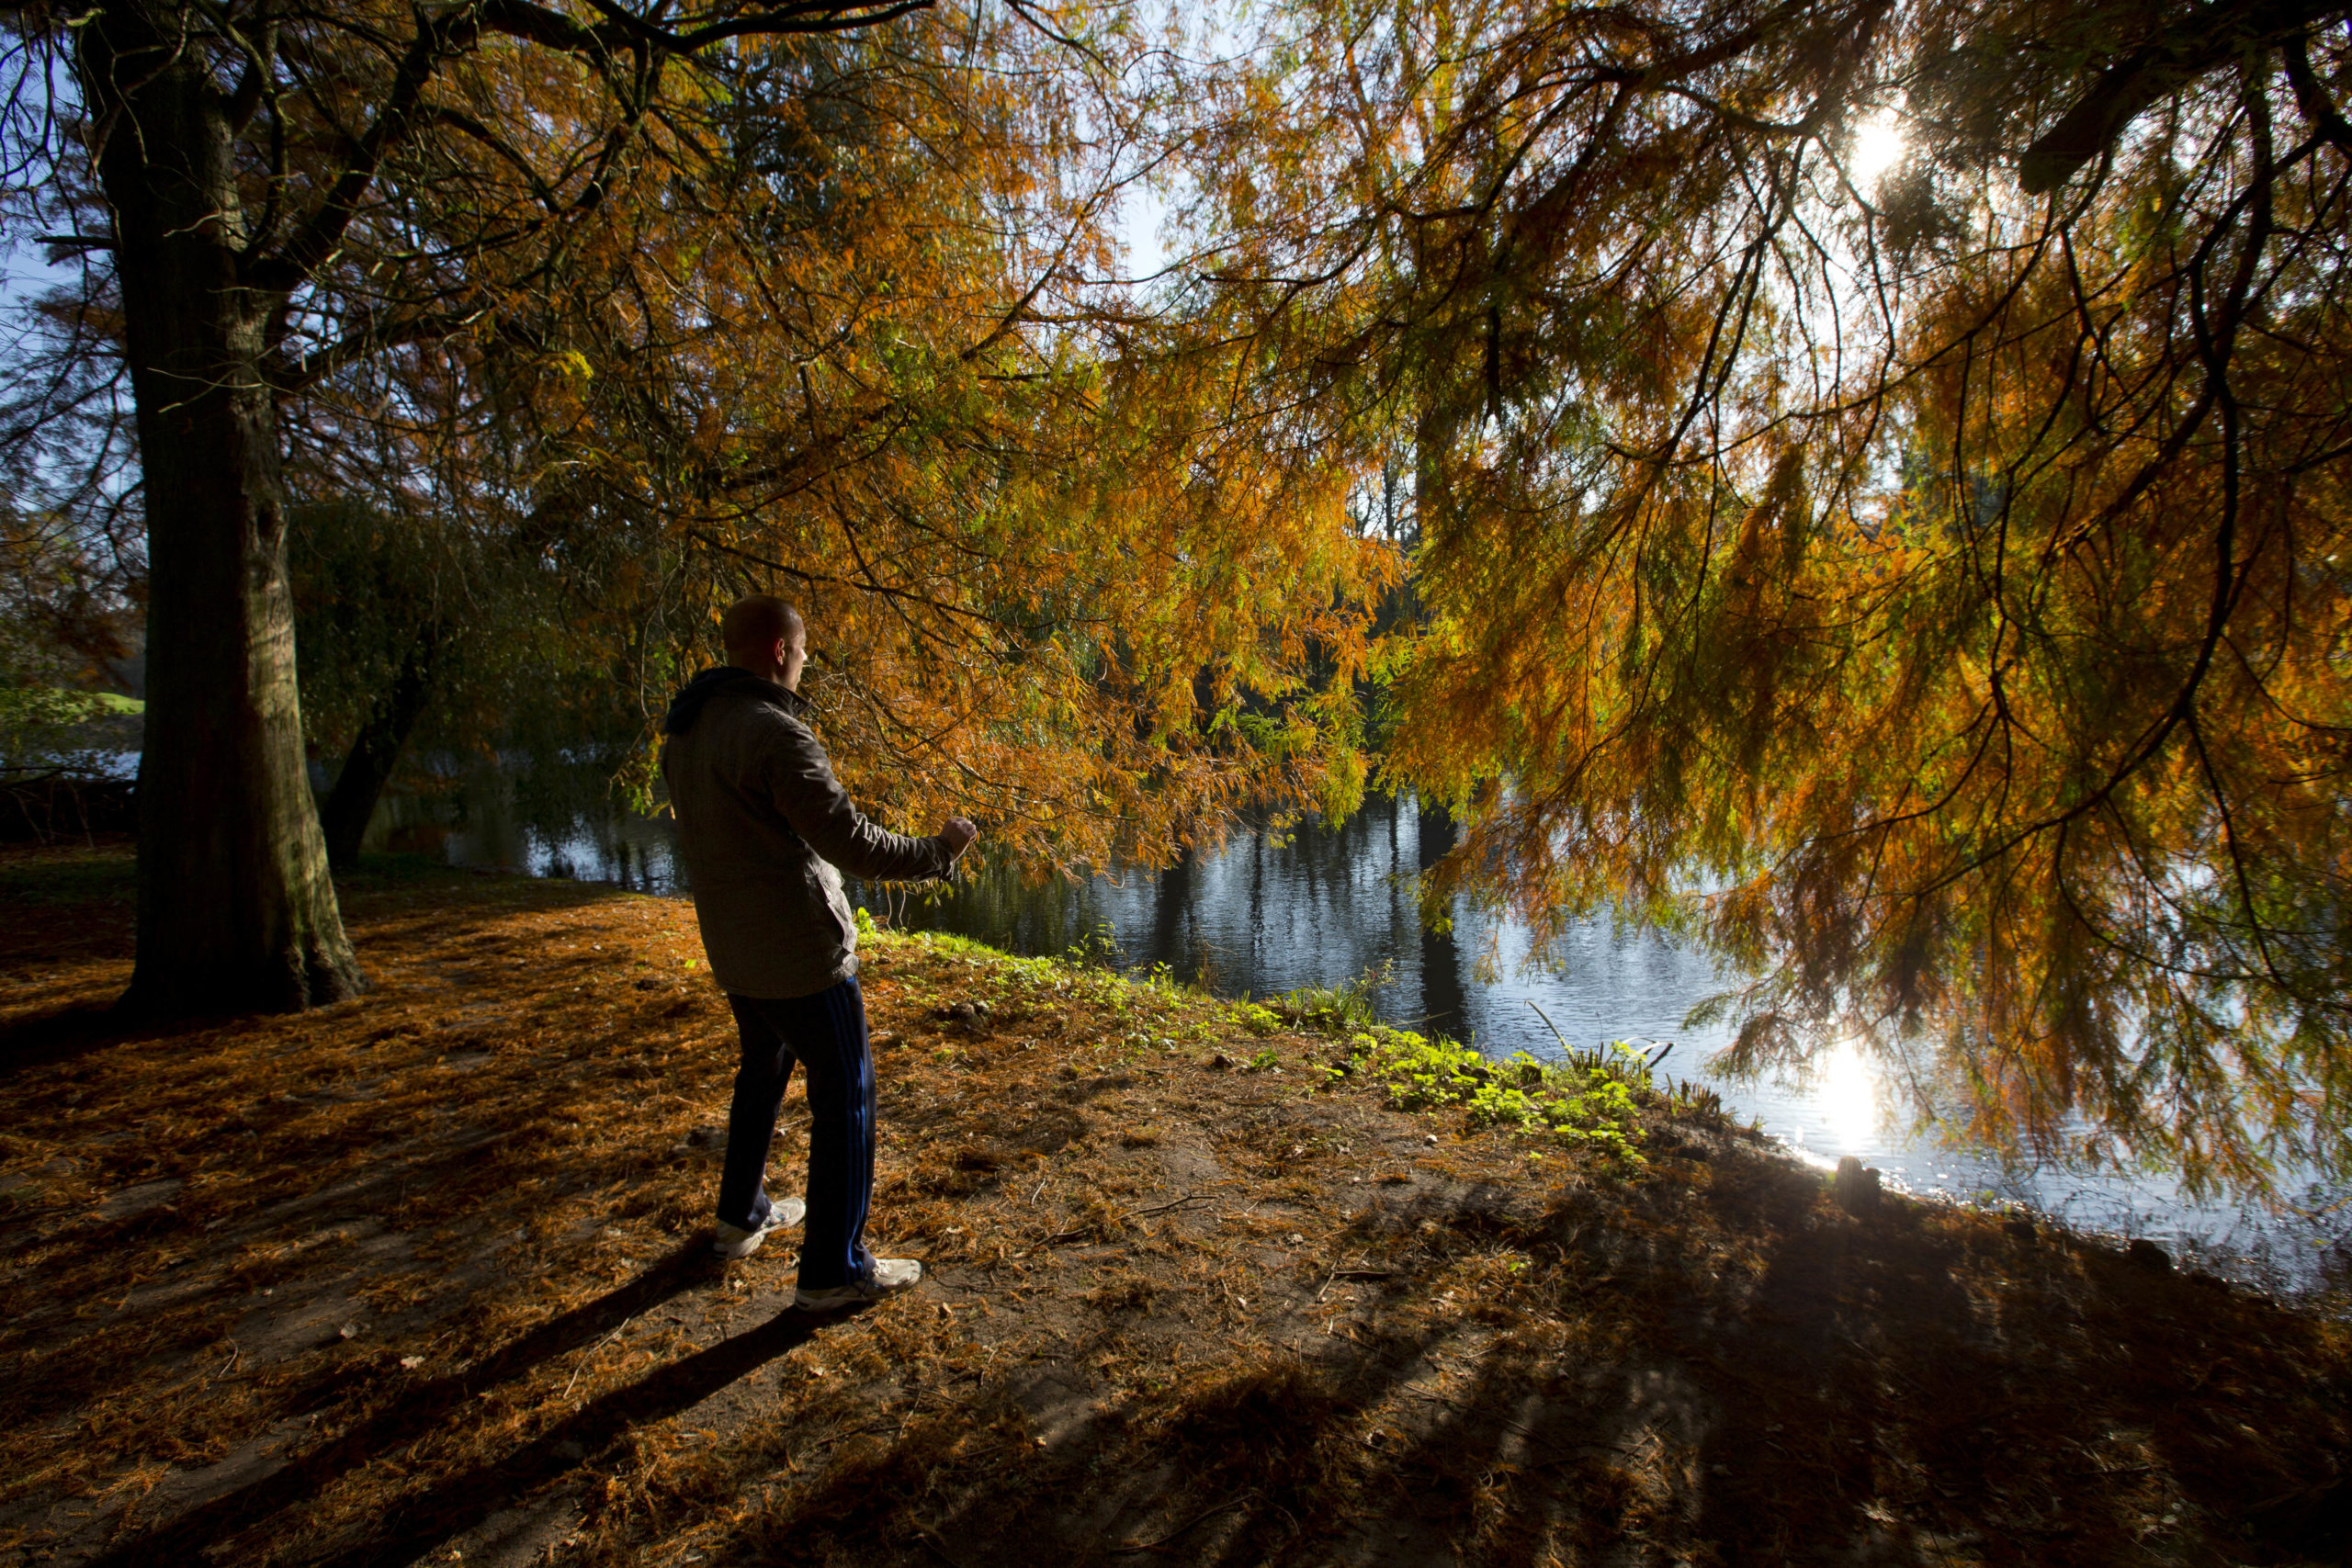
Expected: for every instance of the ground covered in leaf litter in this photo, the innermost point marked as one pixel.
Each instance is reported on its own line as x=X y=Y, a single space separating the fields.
x=425 y=1278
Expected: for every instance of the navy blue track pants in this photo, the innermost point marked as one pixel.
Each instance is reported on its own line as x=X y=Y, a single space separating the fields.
x=826 y=1034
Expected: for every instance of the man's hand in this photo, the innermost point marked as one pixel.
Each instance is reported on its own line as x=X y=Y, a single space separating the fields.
x=958 y=835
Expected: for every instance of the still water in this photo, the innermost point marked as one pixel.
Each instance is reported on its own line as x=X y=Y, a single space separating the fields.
x=1325 y=905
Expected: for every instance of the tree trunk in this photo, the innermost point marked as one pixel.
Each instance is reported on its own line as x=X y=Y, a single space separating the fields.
x=236 y=912
x=356 y=789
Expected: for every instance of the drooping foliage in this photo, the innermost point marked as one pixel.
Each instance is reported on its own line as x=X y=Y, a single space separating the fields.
x=451 y=638
x=1926 y=582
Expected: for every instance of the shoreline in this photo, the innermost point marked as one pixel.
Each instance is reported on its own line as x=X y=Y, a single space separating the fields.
x=1249 y=1312
x=2271 y=1250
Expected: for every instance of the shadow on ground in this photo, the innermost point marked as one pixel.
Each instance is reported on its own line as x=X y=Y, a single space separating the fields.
x=1854 y=1401
x=428 y=1276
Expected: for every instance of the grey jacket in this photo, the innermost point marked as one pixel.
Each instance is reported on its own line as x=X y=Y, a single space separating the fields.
x=761 y=825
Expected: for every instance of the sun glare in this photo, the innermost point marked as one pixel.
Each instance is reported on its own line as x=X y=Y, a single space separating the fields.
x=1877 y=146
x=1848 y=1092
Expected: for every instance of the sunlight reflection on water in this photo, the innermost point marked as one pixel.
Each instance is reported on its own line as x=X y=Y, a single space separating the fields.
x=1848 y=1090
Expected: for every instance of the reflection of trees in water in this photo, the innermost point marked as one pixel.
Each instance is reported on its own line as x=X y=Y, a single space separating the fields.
x=1174 y=933
x=991 y=905
x=1321 y=905
x=1444 y=1002
x=556 y=797
x=500 y=810
x=632 y=862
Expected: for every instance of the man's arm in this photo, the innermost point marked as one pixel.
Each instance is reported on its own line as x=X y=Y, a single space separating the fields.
x=800 y=780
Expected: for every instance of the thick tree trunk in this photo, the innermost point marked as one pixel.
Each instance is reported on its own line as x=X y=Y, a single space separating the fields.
x=236 y=912
x=361 y=784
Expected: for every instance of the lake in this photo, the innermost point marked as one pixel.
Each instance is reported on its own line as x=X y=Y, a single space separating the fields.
x=1327 y=904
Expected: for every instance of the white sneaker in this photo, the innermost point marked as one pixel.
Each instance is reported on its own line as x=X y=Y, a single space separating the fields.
x=734 y=1241
x=890 y=1275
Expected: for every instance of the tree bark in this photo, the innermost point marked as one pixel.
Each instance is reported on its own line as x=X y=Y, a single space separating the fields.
x=361 y=784
x=236 y=912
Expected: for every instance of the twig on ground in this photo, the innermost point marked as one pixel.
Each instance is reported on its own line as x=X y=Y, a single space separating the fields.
x=1337 y=1274
x=1163 y=1208
x=1134 y=1546
x=937 y=1551
x=1060 y=1236
x=600 y=1344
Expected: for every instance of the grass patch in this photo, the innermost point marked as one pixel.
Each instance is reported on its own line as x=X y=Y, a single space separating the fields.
x=69 y=873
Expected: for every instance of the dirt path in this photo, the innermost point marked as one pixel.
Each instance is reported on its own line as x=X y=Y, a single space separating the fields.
x=427 y=1278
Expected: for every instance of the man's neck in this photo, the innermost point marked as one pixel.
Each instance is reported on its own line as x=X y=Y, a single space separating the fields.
x=772 y=673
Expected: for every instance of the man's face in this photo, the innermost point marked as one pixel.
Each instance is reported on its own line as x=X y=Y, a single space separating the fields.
x=793 y=655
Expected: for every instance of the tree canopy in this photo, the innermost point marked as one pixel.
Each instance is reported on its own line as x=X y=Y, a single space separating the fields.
x=1926 y=584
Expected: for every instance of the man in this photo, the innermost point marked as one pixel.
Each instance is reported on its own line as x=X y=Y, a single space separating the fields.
x=761 y=825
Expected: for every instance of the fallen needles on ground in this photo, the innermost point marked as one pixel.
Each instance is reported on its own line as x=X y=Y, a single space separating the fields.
x=485 y=1172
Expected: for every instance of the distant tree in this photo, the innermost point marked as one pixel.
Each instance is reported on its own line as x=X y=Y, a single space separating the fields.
x=1926 y=582
x=62 y=613
x=460 y=633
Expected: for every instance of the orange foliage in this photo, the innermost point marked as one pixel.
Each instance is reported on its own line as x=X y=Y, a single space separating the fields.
x=1928 y=591
x=844 y=327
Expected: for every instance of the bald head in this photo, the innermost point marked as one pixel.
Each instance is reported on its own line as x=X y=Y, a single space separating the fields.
x=755 y=621
x=765 y=636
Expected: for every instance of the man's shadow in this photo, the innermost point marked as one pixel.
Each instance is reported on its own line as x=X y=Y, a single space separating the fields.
x=466 y=1499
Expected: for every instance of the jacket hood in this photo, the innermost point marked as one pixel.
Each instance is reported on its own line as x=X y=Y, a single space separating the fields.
x=688 y=705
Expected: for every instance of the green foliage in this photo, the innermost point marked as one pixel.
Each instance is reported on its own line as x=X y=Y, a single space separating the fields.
x=60 y=614
x=1098 y=949
x=1256 y=1018
x=46 y=729
x=1595 y=1099
x=501 y=618
x=1333 y=1009
x=956 y=946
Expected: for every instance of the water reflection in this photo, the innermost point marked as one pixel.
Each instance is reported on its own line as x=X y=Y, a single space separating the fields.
x=554 y=820
x=1323 y=905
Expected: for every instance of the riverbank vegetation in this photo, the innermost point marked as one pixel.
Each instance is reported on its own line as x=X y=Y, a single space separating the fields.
x=425 y=1278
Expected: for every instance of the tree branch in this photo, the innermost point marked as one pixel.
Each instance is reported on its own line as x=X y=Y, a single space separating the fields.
x=438 y=37
x=2208 y=36
x=355 y=346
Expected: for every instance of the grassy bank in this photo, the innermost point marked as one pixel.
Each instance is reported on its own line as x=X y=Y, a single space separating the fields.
x=424 y=1279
